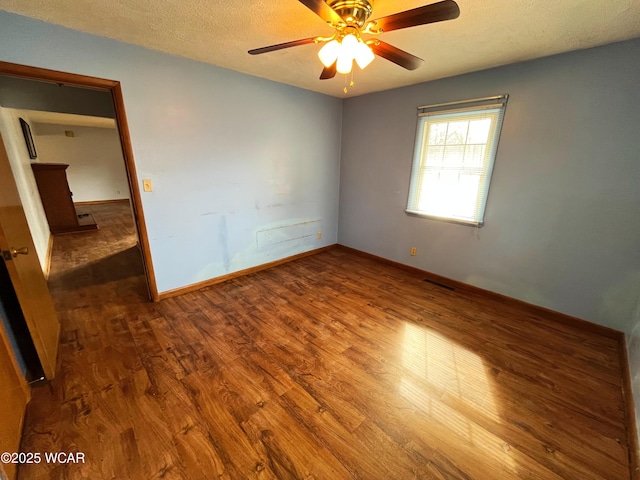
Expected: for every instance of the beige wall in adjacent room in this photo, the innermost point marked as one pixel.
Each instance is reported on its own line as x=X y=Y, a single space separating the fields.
x=96 y=167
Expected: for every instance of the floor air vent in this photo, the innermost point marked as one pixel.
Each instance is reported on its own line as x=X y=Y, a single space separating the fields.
x=442 y=285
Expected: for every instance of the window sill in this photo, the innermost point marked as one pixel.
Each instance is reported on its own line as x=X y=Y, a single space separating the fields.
x=459 y=221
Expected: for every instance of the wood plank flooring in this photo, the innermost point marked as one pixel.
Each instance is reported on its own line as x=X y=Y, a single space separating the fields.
x=330 y=367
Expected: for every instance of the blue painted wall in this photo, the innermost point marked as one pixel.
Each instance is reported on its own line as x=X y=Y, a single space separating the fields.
x=233 y=158
x=562 y=224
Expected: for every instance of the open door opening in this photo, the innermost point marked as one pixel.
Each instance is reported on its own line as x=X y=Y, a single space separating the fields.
x=113 y=89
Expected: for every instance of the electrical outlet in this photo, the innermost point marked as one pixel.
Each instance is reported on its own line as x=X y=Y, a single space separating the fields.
x=319 y=235
x=147 y=186
x=413 y=251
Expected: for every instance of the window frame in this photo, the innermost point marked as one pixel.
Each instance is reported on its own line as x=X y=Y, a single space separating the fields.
x=496 y=105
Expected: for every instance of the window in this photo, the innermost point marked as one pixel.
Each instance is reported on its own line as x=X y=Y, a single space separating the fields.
x=455 y=148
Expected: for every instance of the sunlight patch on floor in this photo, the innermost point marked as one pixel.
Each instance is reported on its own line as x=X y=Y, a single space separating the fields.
x=455 y=379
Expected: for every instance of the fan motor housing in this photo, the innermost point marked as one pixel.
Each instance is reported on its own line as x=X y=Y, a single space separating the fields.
x=354 y=12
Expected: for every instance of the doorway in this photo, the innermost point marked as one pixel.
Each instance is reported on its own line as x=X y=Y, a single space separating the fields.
x=114 y=89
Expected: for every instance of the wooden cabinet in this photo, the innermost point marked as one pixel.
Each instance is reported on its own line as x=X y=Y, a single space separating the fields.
x=51 y=179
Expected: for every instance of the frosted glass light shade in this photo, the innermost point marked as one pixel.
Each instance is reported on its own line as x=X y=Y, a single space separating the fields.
x=329 y=53
x=349 y=46
x=364 y=56
x=345 y=63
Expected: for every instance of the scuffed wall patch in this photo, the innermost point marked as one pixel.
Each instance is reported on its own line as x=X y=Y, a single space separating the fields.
x=282 y=234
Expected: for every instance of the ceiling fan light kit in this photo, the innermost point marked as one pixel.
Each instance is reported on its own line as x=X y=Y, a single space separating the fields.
x=350 y=19
x=343 y=52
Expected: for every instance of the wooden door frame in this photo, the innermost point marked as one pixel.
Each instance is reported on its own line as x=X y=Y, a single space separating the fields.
x=112 y=86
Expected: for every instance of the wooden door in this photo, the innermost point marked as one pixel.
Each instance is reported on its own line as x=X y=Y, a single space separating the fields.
x=14 y=397
x=25 y=270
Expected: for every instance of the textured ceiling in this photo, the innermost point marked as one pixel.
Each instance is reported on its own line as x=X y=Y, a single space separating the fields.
x=488 y=33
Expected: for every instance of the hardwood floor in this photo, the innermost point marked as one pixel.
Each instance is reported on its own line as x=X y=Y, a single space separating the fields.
x=330 y=367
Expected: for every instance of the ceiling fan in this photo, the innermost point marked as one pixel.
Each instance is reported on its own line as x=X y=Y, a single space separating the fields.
x=350 y=18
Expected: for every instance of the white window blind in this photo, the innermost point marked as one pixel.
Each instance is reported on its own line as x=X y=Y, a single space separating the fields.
x=455 y=148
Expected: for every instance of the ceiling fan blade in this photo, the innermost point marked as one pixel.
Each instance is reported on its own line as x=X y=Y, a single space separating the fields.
x=329 y=72
x=395 y=55
x=436 y=12
x=324 y=11
x=280 y=46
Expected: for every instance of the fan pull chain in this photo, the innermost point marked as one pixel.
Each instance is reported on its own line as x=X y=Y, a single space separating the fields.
x=351 y=83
